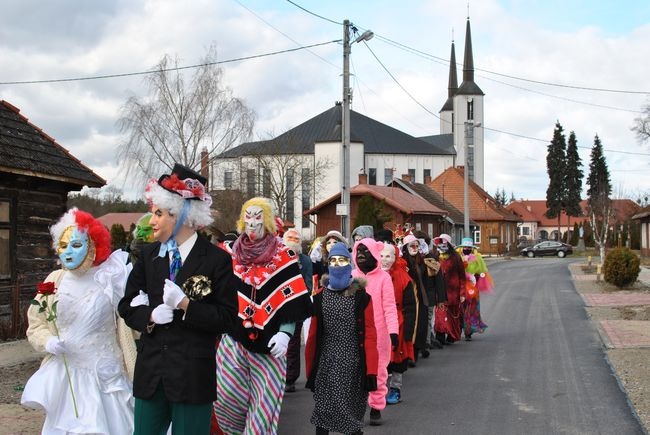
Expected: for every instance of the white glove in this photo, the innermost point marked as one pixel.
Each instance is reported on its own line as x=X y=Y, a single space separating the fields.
x=141 y=299
x=162 y=314
x=55 y=346
x=172 y=294
x=316 y=254
x=279 y=344
x=471 y=278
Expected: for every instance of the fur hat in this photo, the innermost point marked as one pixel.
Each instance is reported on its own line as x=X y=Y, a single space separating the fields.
x=385 y=235
x=364 y=231
x=335 y=234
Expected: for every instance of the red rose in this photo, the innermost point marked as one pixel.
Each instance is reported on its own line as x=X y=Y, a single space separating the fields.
x=46 y=288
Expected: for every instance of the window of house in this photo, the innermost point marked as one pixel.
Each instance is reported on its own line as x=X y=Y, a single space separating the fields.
x=430 y=229
x=372 y=176
x=525 y=231
x=412 y=174
x=227 y=180
x=388 y=175
x=5 y=239
x=418 y=226
x=477 y=236
x=250 y=182
x=426 y=173
x=266 y=183
x=306 y=195
x=290 y=194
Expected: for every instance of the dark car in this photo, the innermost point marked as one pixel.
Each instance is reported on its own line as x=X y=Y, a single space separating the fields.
x=547 y=247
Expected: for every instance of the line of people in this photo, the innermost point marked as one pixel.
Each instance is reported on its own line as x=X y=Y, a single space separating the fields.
x=214 y=333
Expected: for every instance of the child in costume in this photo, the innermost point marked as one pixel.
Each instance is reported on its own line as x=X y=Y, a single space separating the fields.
x=82 y=384
x=478 y=280
x=367 y=255
x=341 y=352
x=272 y=298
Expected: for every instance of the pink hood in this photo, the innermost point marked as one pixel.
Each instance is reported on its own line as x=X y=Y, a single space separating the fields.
x=373 y=246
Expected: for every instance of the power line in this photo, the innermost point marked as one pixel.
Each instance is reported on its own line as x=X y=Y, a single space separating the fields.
x=314 y=14
x=110 y=76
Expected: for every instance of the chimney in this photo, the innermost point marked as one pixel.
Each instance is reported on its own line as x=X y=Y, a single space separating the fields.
x=205 y=170
x=363 y=179
x=406 y=177
x=427 y=180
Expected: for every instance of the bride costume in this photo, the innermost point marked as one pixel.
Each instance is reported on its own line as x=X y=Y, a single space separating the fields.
x=88 y=336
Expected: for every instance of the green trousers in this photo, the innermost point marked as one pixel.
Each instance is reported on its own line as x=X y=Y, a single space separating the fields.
x=153 y=416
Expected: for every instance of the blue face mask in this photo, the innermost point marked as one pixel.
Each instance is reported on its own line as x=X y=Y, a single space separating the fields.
x=339 y=277
x=73 y=248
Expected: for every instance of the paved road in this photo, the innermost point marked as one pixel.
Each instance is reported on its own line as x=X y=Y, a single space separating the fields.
x=539 y=369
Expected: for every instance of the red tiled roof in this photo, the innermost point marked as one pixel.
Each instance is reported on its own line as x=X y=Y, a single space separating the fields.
x=393 y=196
x=124 y=219
x=535 y=211
x=482 y=206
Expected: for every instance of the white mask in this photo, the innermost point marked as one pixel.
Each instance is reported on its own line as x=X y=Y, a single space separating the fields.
x=387 y=256
x=414 y=248
x=254 y=222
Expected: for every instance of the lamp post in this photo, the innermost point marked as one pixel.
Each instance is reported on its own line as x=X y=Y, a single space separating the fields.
x=469 y=143
x=344 y=211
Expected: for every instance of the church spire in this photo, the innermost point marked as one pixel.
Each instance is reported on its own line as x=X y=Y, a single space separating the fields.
x=468 y=87
x=453 y=81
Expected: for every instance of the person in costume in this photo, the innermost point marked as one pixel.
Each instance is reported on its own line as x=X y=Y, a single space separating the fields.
x=453 y=273
x=82 y=383
x=430 y=290
x=367 y=255
x=320 y=252
x=341 y=352
x=477 y=280
x=180 y=297
x=293 y=240
x=362 y=232
x=142 y=236
x=407 y=306
x=272 y=298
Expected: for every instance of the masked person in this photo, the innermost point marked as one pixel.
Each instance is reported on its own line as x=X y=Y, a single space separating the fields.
x=407 y=305
x=320 y=252
x=367 y=255
x=453 y=273
x=477 y=280
x=293 y=240
x=180 y=296
x=341 y=352
x=82 y=383
x=142 y=236
x=273 y=297
x=362 y=232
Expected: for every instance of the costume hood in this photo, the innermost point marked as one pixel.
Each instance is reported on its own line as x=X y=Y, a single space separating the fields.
x=373 y=246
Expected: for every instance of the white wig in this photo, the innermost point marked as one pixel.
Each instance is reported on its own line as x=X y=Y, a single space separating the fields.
x=198 y=215
x=56 y=230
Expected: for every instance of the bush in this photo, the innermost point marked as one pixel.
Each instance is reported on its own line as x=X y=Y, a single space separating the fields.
x=621 y=267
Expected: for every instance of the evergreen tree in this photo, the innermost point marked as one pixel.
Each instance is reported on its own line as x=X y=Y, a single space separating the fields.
x=118 y=237
x=599 y=202
x=573 y=179
x=556 y=168
x=371 y=212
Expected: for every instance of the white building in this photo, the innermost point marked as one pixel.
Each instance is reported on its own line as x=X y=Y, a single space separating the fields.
x=283 y=167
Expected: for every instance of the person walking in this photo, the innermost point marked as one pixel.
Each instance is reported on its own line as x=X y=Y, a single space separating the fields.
x=180 y=296
x=453 y=273
x=478 y=280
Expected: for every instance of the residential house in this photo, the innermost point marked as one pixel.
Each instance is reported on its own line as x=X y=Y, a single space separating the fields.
x=36 y=175
x=495 y=231
x=643 y=216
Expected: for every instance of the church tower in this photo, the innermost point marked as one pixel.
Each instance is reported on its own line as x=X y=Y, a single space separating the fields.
x=468 y=116
x=447 y=111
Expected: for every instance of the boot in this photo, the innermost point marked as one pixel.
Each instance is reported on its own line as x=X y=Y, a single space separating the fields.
x=375 y=417
x=322 y=431
x=394 y=396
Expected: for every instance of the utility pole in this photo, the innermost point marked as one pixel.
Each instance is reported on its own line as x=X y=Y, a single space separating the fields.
x=343 y=209
x=469 y=140
x=345 y=123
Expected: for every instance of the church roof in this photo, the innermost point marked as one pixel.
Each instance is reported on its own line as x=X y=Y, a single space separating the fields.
x=378 y=138
x=453 y=82
x=468 y=86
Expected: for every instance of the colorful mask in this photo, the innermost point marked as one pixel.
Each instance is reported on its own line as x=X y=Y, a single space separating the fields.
x=74 y=247
x=442 y=247
x=413 y=248
x=387 y=257
x=254 y=222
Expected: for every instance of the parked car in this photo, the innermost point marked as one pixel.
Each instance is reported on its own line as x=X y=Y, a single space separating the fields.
x=547 y=247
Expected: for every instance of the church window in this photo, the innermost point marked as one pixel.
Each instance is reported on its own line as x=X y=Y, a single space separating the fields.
x=372 y=176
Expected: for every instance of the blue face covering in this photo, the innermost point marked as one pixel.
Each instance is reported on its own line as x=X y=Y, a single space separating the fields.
x=73 y=252
x=340 y=277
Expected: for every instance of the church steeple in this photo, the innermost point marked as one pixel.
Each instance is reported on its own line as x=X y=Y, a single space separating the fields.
x=453 y=81
x=468 y=87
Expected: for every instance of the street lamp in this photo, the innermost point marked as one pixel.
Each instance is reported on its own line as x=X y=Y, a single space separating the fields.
x=469 y=143
x=345 y=156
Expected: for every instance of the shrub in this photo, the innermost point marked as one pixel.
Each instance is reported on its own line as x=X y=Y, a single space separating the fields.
x=621 y=267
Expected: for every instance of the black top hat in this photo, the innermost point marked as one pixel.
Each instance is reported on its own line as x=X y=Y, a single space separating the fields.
x=174 y=182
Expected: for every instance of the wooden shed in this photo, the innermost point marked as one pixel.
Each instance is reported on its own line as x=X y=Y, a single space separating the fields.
x=36 y=174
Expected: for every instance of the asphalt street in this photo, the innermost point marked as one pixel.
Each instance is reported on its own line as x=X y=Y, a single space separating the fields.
x=540 y=368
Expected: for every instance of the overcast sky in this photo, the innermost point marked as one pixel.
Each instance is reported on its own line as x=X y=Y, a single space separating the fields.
x=579 y=43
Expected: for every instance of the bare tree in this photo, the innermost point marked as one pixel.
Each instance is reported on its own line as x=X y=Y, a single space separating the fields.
x=642 y=125
x=179 y=119
x=281 y=174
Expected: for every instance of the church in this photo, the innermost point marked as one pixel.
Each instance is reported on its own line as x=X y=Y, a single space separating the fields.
x=302 y=166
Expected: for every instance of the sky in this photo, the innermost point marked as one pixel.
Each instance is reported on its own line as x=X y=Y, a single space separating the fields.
x=594 y=44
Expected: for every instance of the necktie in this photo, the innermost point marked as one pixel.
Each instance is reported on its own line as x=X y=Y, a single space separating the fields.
x=175 y=264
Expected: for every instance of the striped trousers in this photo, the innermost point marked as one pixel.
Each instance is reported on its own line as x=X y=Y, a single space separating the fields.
x=250 y=388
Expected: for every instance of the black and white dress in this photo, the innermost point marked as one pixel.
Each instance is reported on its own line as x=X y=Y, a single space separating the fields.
x=340 y=399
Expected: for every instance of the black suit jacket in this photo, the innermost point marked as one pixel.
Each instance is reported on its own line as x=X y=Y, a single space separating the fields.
x=181 y=354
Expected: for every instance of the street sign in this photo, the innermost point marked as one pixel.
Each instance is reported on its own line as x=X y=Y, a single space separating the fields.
x=342 y=209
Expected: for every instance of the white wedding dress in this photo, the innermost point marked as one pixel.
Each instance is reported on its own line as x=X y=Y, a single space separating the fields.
x=86 y=322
